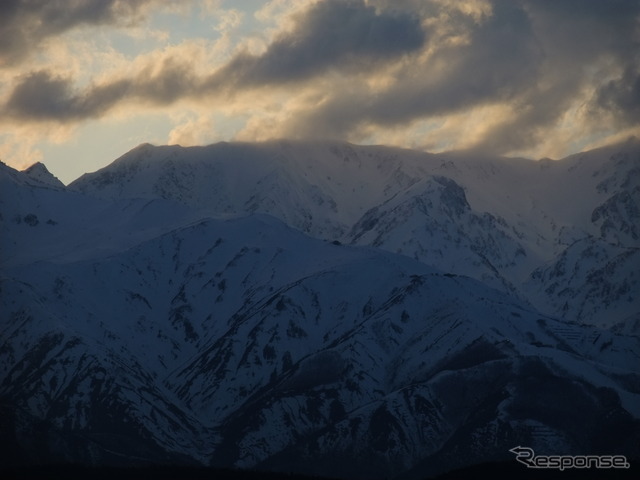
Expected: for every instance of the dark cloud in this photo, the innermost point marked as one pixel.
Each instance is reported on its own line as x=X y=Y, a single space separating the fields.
x=577 y=38
x=42 y=96
x=577 y=32
x=622 y=96
x=172 y=80
x=538 y=110
x=501 y=60
x=535 y=56
x=24 y=24
x=332 y=34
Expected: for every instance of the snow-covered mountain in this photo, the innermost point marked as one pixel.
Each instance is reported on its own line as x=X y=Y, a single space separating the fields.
x=175 y=307
x=509 y=223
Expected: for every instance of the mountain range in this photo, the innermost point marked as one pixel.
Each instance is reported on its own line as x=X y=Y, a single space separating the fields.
x=321 y=308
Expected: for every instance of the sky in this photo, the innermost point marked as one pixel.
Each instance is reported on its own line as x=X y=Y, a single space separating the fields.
x=84 y=81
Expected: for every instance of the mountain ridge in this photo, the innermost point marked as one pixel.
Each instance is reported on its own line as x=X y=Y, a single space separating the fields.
x=535 y=210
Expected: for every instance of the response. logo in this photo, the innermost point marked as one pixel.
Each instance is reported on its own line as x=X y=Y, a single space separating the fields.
x=528 y=457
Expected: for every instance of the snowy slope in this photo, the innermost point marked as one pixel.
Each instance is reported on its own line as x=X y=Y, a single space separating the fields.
x=594 y=277
x=152 y=332
x=433 y=222
x=240 y=342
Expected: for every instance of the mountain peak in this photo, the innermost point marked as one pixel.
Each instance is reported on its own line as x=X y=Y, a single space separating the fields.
x=39 y=172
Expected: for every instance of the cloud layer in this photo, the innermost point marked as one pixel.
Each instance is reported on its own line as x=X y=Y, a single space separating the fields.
x=25 y=24
x=548 y=71
x=345 y=36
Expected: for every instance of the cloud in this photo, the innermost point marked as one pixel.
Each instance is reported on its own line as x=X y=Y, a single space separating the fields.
x=192 y=132
x=20 y=149
x=501 y=75
x=25 y=24
x=538 y=58
x=621 y=96
x=582 y=42
x=42 y=96
x=331 y=34
x=278 y=11
x=499 y=61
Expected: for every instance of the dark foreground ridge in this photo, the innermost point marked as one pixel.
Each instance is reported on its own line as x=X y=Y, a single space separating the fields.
x=514 y=469
x=495 y=470
x=71 y=472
